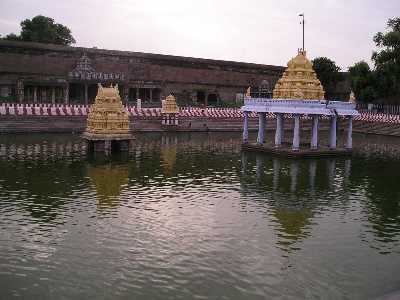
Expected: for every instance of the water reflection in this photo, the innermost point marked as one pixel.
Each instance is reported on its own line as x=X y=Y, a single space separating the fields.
x=193 y=208
x=295 y=191
x=108 y=180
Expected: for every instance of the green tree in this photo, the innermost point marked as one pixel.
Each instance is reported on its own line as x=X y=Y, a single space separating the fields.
x=42 y=29
x=12 y=37
x=387 y=58
x=327 y=72
x=362 y=80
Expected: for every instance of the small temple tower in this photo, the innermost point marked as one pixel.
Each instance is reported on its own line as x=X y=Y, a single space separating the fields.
x=108 y=123
x=169 y=112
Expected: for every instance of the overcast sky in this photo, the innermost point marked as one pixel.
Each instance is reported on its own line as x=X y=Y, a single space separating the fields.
x=259 y=31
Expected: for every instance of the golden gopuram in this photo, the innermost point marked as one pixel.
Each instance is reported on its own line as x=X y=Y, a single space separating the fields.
x=108 y=122
x=299 y=81
x=169 y=112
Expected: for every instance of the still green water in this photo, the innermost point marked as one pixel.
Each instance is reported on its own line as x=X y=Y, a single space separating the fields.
x=191 y=217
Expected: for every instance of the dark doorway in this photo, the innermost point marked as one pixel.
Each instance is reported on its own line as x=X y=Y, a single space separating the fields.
x=201 y=98
x=115 y=146
x=212 y=99
x=76 y=93
x=92 y=93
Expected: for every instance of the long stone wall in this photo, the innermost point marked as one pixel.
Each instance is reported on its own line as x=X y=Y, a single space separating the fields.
x=65 y=74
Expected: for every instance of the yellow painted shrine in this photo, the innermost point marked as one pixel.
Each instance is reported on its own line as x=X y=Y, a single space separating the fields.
x=107 y=115
x=170 y=106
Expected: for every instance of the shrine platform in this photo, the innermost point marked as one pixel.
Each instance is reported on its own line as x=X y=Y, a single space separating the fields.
x=287 y=151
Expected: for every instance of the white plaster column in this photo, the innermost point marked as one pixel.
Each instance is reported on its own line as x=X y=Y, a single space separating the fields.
x=332 y=132
x=261 y=127
x=314 y=133
x=296 y=133
x=349 y=143
x=245 y=126
x=278 y=131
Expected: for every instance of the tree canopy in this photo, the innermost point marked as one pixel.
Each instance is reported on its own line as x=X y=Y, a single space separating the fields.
x=382 y=82
x=327 y=72
x=42 y=29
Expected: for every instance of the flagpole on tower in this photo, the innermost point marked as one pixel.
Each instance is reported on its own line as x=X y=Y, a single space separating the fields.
x=302 y=22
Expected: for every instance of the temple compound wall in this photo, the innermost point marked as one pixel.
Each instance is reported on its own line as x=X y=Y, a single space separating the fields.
x=42 y=73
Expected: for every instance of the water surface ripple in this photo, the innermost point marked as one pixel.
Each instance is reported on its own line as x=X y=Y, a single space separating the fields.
x=190 y=216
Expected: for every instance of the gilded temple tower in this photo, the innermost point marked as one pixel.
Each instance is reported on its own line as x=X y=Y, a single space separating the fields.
x=108 y=122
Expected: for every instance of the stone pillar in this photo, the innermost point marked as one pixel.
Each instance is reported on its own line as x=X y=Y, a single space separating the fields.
x=296 y=133
x=66 y=94
x=35 y=94
x=126 y=94
x=86 y=94
x=151 y=95
x=278 y=132
x=43 y=95
x=53 y=95
x=137 y=93
x=245 y=126
x=314 y=133
x=261 y=127
x=349 y=143
x=332 y=132
x=20 y=91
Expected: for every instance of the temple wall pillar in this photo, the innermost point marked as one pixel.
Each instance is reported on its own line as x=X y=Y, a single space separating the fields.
x=35 y=94
x=20 y=91
x=66 y=94
x=53 y=95
x=43 y=96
